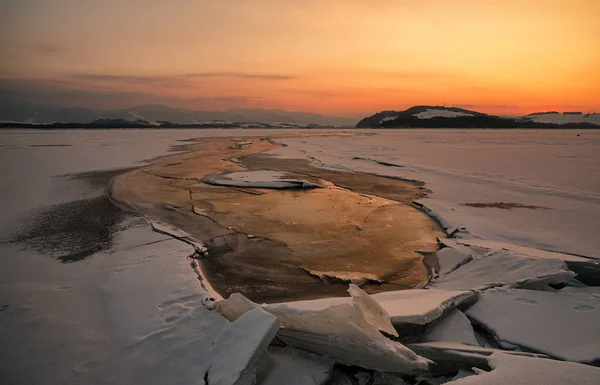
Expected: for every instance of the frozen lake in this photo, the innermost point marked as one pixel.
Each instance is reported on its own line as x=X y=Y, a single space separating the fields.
x=128 y=310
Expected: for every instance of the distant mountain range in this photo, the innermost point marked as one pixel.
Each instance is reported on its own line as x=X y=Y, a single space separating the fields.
x=453 y=117
x=34 y=114
x=21 y=115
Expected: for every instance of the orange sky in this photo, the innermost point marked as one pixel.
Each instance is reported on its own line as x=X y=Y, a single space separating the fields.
x=327 y=56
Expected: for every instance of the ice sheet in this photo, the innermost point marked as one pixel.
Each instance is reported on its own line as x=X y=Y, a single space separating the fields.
x=561 y=325
x=529 y=167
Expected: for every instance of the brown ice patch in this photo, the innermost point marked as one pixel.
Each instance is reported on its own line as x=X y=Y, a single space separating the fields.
x=262 y=242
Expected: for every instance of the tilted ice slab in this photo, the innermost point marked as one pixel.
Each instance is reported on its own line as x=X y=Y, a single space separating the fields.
x=450 y=259
x=561 y=325
x=258 y=179
x=454 y=327
x=512 y=369
x=417 y=306
x=504 y=268
x=239 y=348
x=349 y=333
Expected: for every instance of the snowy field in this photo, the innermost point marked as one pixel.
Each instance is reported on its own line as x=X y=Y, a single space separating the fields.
x=521 y=210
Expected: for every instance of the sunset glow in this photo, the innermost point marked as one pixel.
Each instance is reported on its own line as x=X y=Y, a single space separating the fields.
x=336 y=57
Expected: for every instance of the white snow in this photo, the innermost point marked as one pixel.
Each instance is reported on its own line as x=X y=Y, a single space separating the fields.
x=454 y=327
x=510 y=369
x=504 y=268
x=258 y=179
x=434 y=113
x=388 y=118
x=561 y=325
x=239 y=348
x=564 y=118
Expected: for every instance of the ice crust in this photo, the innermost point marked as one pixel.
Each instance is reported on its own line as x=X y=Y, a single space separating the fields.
x=561 y=325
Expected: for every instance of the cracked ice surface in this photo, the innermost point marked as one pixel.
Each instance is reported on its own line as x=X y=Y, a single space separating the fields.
x=561 y=325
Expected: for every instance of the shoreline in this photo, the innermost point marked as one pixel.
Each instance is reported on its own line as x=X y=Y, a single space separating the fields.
x=273 y=255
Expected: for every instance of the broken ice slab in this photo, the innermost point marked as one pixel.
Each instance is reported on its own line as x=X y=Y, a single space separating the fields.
x=239 y=348
x=452 y=355
x=163 y=228
x=454 y=327
x=348 y=332
x=259 y=179
x=512 y=369
x=417 y=306
x=293 y=367
x=450 y=259
x=561 y=325
x=524 y=250
x=504 y=268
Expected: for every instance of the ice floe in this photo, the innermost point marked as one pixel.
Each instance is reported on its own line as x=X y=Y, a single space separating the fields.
x=239 y=348
x=561 y=325
x=259 y=179
x=504 y=268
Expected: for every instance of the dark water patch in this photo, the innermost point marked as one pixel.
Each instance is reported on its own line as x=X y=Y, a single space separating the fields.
x=72 y=231
x=97 y=179
x=505 y=206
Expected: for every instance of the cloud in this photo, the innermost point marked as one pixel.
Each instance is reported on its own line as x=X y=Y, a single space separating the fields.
x=180 y=79
x=61 y=93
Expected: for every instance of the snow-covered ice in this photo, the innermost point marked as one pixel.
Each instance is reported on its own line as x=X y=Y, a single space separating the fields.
x=504 y=268
x=561 y=325
x=511 y=369
x=239 y=348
